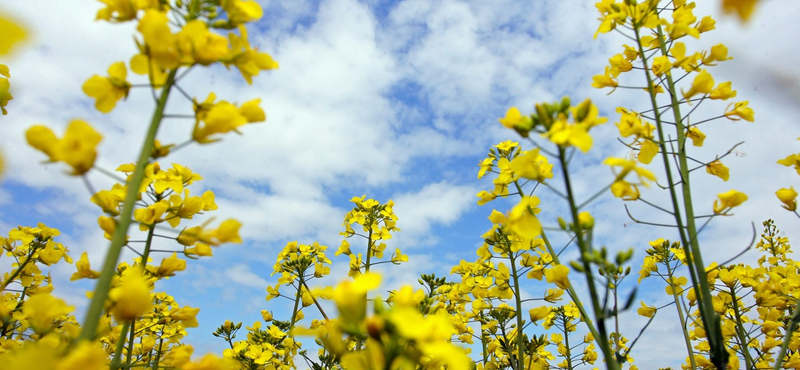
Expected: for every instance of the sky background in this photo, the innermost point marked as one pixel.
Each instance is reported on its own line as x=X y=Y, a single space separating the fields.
x=393 y=100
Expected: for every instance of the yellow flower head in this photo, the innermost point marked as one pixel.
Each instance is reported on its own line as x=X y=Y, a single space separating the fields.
x=84 y=269
x=77 y=148
x=740 y=110
x=43 y=309
x=108 y=90
x=516 y=121
x=788 y=198
x=12 y=33
x=558 y=275
x=532 y=165
x=131 y=296
x=522 y=218
x=718 y=169
x=728 y=200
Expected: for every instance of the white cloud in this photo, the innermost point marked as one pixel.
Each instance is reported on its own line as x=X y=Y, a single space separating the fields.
x=241 y=274
x=437 y=204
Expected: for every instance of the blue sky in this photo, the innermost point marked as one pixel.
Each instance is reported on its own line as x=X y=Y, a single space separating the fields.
x=393 y=100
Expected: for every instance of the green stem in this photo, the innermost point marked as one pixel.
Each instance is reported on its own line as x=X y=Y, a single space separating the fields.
x=145 y=257
x=120 y=237
x=682 y=317
x=711 y=321
x=18 y=270
x=570 y=290
x=370 y=244
x=315 y=301
x=740 y=331
x=484 y=348
x=296 y=303
x=602 y=340
x=120 y=345
x=520 y=339
x=787 y=338
x=566 y=344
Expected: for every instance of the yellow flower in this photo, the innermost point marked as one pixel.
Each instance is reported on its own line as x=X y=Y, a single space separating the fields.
x=43 y=309
x=604 y=80
x=723 y=91
x=486 y=197
x=109 y=226
x=228 y=232
x=211 y=362
x=242 y=11
x=740 y=110
x=522 y=218
x=627 y=167
x=647 y=151
x=197 y=44
x=791 y=160
x=249 y=61
x=12 y=33
x=169 y=265
x=532 y=165
x=158 y=39
x=350 y=296
x=625 y=190
x=539 y=313
x=131 y=296
x=646 y=311
x=742 y=8
x=5 y=95
x=727 y=201
x=85 y=356
x=558 y=275
x=108 y=90
x=718 y=169
x=661 y=65
x=703 y=84
x=84 y=269
x=696 y=135
x=619 y=64
x=186 y=315
x=516 y=121
x=564 y=135
x=787 y=197
x=675 y=284
x=76 y=149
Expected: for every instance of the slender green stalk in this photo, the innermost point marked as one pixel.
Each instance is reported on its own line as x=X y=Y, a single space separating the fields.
x=145 y=257
x=682 y=317
x=120 y=234
x=570 y=290
x=120 y=346
x=566 y=344
x=687 y=229
x=18 y=270
x=518 y=302
x=787 y=338
x=315 y=301
x=296 y=303
x=602 y=340
x=370 y=244
x=740 y=331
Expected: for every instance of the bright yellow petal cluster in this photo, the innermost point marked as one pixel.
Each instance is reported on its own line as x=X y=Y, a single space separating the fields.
x=76 y=148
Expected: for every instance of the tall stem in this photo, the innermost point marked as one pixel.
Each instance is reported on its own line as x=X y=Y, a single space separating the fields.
x=120 y=237
x=585 y=248
x=740 y=331
x=520 y=339
x=682 y=317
